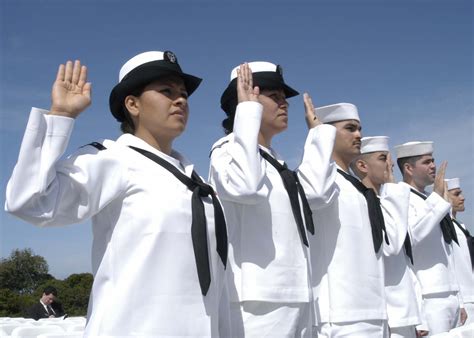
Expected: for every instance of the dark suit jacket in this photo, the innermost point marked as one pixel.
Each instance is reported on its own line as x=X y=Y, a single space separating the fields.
x=37 y=310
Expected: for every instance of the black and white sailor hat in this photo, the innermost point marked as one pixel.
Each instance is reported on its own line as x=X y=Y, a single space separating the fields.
x=265 y=75
x=143 y=69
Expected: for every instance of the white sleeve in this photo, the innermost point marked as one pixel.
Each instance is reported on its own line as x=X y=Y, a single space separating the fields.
x=46 y=191
x=394 y=204
x=237 y=169
x=423 y=218
x=317 y=171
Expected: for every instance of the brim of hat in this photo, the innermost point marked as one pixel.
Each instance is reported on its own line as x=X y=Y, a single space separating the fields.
x=143 y=77
x=231 y=91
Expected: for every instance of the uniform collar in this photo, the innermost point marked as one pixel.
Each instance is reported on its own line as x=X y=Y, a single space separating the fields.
x=176 y=158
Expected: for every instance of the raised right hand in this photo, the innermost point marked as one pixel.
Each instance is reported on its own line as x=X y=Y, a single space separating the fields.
x=388 y=173
x=310 y=112
x=439 y=184
x=71 y=94
x=245 y=89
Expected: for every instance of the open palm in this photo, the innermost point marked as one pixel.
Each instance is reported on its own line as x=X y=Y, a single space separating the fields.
x=71 y=94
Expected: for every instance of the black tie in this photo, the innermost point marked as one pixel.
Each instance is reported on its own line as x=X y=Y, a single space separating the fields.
x=447 y=226
x=198 y=226
x=377 y=222
x=469 y=240
x=50 y=310
x=293 y=188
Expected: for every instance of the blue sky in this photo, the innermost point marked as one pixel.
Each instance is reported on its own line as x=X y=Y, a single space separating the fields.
x=407 y=65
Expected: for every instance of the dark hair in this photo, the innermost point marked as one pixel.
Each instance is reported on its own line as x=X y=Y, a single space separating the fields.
x=229 y=108
x=50 y=290
x=127 y=126
x=410 y=160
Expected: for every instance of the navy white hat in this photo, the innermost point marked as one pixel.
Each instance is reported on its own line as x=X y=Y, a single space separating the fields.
x=373 y=144
x=415 y=148
x=453 y=183
x=265 y=75
x=337 y=112
x=143 y=69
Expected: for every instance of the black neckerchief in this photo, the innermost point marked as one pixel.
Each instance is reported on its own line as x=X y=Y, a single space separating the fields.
x=198 y=225
x=469 y=240
x=377 y=222
x=293 y=188
x=447 y=226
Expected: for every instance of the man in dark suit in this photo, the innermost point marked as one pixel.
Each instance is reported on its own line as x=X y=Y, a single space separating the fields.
x=47 y=307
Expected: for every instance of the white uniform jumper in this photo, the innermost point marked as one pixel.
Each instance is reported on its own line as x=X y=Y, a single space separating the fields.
x=464 y=273
x=348 y=276
x=268 y=261
x=403 y=305
x=433 y=262
x=145 y=276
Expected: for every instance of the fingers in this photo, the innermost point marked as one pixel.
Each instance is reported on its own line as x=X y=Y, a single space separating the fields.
x=389 y=162
x=76 y=71
x=68 y=72
x=308 y=105
x=310 y=115
x=87 y=89
x=442 y=170
x=61 y=73
x=82 y=76
x=72 y=72
x=249 y=77
x=244 y=76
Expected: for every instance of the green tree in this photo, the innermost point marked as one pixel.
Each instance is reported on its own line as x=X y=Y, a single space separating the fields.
x=23 y=271
x=13 y=304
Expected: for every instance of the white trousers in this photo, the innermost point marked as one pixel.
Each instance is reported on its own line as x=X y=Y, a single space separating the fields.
x=441 y=311
x=366 y=329
x=403 y=332
x=273 y=320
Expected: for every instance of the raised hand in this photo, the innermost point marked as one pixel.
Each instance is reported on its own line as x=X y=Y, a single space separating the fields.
x=310 y=116
x=245 y=89
x=388 y=173
x=71 y=94
x=439 y=184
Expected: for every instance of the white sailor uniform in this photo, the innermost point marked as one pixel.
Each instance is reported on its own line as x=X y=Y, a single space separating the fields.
x=268 y=263
x=433 y=262
x=348 y=276
x=145 y=277
x=403 y=304
x=464 y=273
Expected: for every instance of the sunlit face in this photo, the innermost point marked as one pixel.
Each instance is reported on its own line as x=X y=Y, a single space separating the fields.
x=457 y=199
x=424 y=171
x=275 y=111
x=348 y=135
x=162 y=109
x=48 y=299
x=377 y=166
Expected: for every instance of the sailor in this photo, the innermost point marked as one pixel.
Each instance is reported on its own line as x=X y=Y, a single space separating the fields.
x=268 y=206
x=374 y=168
x=347 y=251
x=159 y=247
x=432 y=236
x=463 y=254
